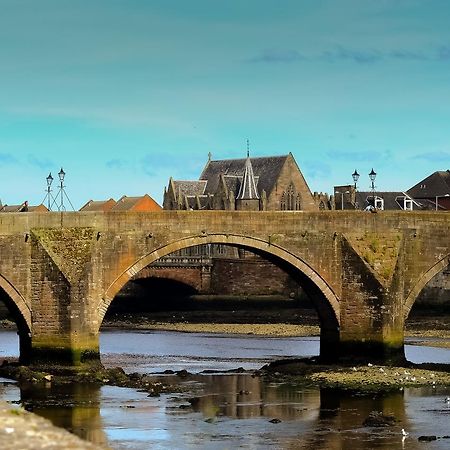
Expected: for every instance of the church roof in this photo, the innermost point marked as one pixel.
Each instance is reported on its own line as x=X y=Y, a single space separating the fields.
x=190 y=187
x=266 y=169
x=438 y=183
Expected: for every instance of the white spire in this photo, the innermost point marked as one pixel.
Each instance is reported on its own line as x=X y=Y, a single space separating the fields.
x=247 y=189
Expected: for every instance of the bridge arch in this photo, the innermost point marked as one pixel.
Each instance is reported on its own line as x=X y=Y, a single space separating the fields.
x=233 y=240
x=22 y=315
x=422 y=282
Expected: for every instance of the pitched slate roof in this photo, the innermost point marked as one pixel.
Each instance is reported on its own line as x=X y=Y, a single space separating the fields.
x=266 y=169
x=392 y=200
x=189 y=187
x=438 y=183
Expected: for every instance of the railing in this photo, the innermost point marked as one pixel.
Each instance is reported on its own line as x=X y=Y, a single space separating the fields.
x=176 y=261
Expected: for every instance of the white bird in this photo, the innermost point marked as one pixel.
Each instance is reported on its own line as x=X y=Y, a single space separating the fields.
x=370 y=365
x=404 y=433
x=447 y=400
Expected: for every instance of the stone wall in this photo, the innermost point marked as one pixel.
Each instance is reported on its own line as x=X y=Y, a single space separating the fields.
x=246 y=277
x=436 y=295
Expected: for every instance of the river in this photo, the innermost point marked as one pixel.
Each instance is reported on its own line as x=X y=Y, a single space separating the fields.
x=223 y=411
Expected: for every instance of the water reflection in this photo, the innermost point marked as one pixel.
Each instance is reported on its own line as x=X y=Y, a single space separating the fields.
x=244 y=396
x=238 y=411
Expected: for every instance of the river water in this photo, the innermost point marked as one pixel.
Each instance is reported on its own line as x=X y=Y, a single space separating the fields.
x=223 y=411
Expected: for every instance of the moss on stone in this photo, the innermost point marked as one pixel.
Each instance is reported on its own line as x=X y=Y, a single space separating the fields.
x=70 y=248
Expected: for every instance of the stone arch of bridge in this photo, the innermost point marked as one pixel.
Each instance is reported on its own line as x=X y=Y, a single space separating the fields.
x=422 y=282
x=22 y=316
x=17 y=299
x=331 y=316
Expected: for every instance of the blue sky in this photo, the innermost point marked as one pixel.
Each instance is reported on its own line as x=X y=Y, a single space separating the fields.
x=124 y=94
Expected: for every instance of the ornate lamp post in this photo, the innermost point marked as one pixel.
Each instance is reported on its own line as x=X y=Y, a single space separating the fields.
x=49 y=189
x=355 y=176
x=372 y=176
x=61 y=175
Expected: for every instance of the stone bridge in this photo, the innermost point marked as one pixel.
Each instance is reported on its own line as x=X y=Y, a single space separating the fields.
x=363 y=271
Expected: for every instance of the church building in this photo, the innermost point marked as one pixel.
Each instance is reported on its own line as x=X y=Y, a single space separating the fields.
x=271 y=183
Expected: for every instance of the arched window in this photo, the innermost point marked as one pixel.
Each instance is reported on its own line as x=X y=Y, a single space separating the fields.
x=290 y=197
x=289 y=200
x=298 y=203
x=283 y=202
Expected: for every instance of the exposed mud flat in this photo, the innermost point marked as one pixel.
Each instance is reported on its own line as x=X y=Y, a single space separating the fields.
x=370 y=377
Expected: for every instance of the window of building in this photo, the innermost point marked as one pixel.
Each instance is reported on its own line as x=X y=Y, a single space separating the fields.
x=407 y=204
x=283 y=202
x=379 y=203
x=290 y=200
x=298 y=203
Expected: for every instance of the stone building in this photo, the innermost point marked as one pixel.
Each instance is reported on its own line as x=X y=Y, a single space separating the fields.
x=272 y=183
x=249 y=184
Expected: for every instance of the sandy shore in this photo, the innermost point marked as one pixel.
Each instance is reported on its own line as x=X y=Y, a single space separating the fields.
x=273 y=329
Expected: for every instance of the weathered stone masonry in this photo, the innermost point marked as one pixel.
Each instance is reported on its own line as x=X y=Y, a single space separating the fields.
x=362 y=271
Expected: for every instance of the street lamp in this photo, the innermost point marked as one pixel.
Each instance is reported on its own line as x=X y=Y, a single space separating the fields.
x=372 y=176
x=61 y=175
x=49 y=184
x=355 y=176
x=438 y=197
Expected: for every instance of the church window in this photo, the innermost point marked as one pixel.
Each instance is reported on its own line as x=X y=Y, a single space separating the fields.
x=298 y=203
x=290 y=198
x=283 y=202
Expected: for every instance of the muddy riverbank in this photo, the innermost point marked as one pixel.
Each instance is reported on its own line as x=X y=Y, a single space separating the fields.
x=436 y=328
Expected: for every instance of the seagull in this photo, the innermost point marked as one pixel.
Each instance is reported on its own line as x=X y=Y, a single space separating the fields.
x=447 y=400
x=404 y=433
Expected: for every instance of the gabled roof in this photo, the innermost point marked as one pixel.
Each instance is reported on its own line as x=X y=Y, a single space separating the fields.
x=438 y=183
x=142 y=203
x=266 y=168
x=24 y=207
x=38 y=208
x=98 y=205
